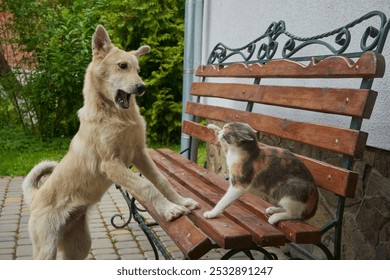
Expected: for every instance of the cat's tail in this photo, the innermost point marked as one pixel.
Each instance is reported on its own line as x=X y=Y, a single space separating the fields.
x=30 y=183
x=311 y=204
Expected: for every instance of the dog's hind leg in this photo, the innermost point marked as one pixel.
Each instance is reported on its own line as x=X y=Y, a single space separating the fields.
x=44 y=237
x=75 y=243
x=288 y=209
x=44 y=249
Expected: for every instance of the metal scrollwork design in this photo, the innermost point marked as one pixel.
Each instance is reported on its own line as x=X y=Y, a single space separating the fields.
x=267 y=44
x=129 y=201
x=372 y=32
x=132 y=209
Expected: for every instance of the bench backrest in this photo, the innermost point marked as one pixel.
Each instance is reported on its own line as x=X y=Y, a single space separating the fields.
x=357 y=103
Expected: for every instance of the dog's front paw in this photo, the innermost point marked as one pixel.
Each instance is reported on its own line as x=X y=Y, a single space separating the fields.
x=173 y=211
x=210 y=214
x=189 y=203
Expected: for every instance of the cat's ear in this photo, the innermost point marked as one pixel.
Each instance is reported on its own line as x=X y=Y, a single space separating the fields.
x=248 y=134
x=255 y=132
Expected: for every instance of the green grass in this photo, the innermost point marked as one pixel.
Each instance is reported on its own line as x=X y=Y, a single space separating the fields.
x=19 y=163
x=20 y=152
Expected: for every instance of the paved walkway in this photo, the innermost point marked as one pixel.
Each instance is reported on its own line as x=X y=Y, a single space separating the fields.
x=108 y=243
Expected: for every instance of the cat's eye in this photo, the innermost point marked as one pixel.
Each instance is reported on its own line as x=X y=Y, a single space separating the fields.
x=122 y=65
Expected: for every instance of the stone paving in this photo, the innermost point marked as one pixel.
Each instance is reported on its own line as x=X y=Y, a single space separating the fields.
x=108 y=243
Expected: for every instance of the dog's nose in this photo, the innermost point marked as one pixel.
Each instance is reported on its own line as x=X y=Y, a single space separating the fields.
x=140 y=88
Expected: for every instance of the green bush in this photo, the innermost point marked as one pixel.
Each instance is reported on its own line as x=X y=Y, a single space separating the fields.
x=159 y=24
x=58 y=35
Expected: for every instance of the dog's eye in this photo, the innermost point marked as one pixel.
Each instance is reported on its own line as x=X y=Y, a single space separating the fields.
x=122 y=65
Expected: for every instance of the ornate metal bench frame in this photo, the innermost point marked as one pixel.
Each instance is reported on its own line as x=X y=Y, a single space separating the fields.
x=262 y=50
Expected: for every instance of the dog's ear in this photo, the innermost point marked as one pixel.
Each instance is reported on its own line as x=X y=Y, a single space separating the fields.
x=141 y=51
x=101 y=43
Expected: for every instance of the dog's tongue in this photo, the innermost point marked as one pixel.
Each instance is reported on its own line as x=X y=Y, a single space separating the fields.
x=123 y=99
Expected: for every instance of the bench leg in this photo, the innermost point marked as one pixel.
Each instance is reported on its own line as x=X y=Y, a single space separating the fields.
x=248 y=253
x=146 y=229
x=134 y=213
x=128 y=201
x=309 y=255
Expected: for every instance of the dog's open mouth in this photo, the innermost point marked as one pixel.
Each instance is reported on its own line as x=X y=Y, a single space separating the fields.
x=122 y=99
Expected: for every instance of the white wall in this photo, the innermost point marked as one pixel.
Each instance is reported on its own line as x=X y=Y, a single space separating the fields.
x=237 y=22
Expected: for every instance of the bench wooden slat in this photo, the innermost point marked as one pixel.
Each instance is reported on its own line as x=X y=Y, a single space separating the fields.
x=335 y=179
x=332 y=178
x=369 y=65
x=346 y=141
x=263 y=233
x=223 y=231
x=349 y=102
x=296 y=231
x=189 y=238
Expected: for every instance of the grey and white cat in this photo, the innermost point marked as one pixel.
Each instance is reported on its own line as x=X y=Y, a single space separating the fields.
x=280 y=176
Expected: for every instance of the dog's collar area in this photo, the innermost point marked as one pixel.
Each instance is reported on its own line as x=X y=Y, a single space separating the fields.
x=122 y=99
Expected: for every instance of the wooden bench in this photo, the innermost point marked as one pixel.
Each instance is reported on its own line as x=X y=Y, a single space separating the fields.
x=243 y=226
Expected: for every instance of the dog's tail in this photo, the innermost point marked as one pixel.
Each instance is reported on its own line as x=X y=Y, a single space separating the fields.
x=30 y=183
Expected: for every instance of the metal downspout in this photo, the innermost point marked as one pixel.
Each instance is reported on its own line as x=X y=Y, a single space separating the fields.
x=193 y=25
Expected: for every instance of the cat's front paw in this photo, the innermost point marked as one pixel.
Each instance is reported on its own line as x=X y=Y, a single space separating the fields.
x=210 y=214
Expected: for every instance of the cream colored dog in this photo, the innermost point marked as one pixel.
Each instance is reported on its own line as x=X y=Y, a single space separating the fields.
x=111 y=137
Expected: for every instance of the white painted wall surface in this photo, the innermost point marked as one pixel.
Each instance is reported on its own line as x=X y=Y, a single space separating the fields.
x=237 y=22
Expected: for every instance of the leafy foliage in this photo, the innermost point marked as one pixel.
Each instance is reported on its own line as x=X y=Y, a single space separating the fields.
x=55 y=37
x=159 y=24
